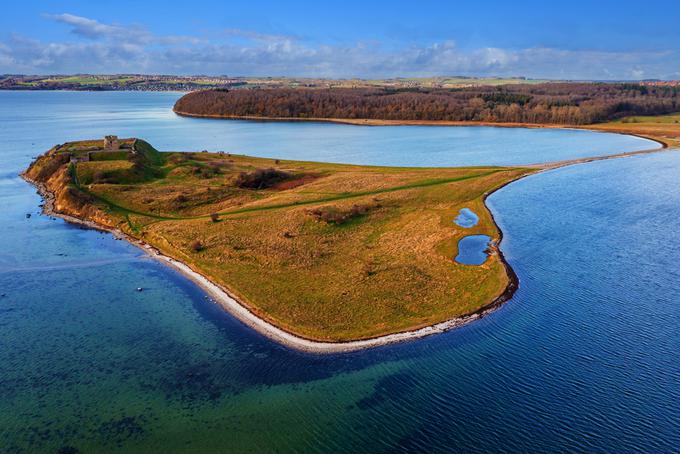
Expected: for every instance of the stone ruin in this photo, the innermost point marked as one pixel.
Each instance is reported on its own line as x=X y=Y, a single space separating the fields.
x=111 y=143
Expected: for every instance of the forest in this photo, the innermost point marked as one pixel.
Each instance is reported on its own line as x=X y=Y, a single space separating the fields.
x=546 y=103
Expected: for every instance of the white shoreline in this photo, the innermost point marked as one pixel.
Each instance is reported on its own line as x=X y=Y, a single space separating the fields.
x=222 y=297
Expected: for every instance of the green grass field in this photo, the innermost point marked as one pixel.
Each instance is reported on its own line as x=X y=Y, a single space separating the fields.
x=661 y=119
x=665 y=128
x=89 y=80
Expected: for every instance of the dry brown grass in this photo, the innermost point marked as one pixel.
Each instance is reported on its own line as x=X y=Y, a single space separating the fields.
x=386 y=267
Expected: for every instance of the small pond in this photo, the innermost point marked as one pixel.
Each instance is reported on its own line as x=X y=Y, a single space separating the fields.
x=466 y=218
x=472 y=249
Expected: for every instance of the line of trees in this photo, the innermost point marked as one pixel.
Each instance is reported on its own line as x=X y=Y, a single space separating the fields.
x=549 y=103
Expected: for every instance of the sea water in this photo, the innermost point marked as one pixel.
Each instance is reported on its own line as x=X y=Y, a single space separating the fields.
x=585 y=357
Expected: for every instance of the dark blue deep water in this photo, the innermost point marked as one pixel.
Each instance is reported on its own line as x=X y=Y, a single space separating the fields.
x=585 y=357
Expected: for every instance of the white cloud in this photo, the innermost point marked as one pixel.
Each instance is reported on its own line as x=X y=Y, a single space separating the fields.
x=108 y=48
x=88 y=28
x=256 y=36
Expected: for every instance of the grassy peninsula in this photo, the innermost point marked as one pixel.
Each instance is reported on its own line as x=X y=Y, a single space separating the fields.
x=324 y=252
x=327 y=252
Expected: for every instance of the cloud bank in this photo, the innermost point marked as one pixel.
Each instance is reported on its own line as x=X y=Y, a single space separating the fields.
x=113 y=48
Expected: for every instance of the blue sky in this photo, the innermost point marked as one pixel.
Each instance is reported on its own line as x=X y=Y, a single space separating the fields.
x=547 y=39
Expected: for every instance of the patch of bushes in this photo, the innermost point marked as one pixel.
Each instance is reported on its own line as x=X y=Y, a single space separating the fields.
x=46 y=166
x=179 y=201
x=197 y=246
x=337 y=216
x=78 y=197
x=261 y=178
x=177 y=158
x=207 y=171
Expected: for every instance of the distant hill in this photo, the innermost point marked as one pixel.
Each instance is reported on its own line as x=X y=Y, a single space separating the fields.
x=142 y=82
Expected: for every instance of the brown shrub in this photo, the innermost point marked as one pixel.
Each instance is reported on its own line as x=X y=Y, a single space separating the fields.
x=295 y=182
x=179 y=201
x=178 y=158
x=334 y=215
x=197 y=246
x=78 y=197
x=47 y=165
x=261 y=178
x=214 y=217
x=207 y=171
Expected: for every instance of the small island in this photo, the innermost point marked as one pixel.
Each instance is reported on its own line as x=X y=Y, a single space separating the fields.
x=336 y=257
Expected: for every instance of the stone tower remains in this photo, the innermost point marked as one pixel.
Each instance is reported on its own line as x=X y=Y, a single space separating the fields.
x=111 y=142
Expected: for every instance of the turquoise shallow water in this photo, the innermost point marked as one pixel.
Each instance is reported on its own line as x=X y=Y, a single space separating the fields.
x=585 y=357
